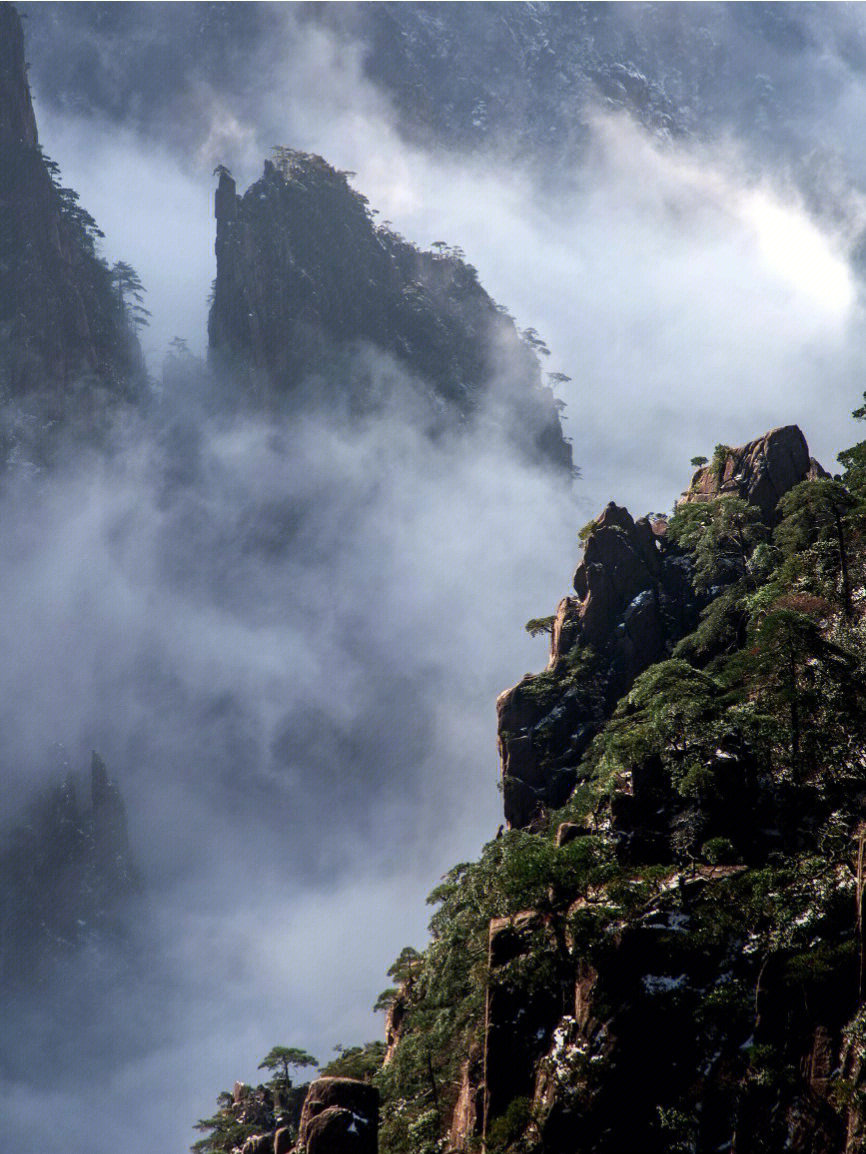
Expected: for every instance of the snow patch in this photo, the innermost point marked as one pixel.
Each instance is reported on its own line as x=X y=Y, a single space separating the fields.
x=663 y=983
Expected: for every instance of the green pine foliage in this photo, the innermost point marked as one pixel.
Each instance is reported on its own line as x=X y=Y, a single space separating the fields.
x=770 y=681
x=359 y=1062
x=742 y=756
x=257 y=1109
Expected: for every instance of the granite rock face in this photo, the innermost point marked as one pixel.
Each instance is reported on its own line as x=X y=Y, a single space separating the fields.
x=633 y=602
x=340 y=1116
x=515 y=1024
x=67 y=349
x=314 y=303
x=759 y=472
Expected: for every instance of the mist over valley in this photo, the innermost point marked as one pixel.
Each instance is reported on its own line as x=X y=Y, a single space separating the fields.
x=356 y=315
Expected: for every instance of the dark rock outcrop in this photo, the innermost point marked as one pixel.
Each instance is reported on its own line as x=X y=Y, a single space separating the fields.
x=690 y=975
x=340 y=1116
x=759 y=472
x=259 y=1144
x=67 y=348
x=634 y=601
x=283 y=1140
x=310 y=294
x=515 y=1024
x=17 y=121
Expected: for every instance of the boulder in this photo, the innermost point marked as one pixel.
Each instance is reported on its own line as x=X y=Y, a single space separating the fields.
x=620 y=560
x=283 y=1140
x=258 y=1144
x=760 y=472
x=340 y=1116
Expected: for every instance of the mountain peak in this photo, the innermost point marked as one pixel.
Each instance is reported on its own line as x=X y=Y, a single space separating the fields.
x=760 y=472
x=306 y=279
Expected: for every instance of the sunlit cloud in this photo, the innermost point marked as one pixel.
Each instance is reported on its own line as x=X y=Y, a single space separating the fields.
x=795 y=249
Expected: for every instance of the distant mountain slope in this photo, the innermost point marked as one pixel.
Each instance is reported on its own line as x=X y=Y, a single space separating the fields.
x=779 y=85
x=305 y=278
x=66 y=871
x=463 y=74
x=67 y=340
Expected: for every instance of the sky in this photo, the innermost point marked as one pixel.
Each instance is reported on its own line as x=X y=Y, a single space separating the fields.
x=290 y=660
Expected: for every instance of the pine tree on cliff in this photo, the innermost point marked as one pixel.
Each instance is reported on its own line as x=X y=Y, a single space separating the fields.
x=282 y=1059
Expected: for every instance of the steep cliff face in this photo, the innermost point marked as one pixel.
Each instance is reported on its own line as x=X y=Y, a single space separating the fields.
x=66 y=870
x=671 y=956
x=306 y=282
x=66 y=344
x=332 y=1115
x=635 y=600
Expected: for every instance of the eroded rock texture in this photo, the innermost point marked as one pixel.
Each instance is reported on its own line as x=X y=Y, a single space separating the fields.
x=315 y=303
x=760 y=472
x=340 y=1116
x=633 y=602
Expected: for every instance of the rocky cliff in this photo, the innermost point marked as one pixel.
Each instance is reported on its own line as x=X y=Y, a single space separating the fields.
x=332 y=1115
x=67 y=345
x=635 y=600
x=670 y=956
x=311 y=295
x=760 y=472
x=666 y=949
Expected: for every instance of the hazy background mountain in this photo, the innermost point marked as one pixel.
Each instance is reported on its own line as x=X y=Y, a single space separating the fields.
x=286 y=636
x=706 y=165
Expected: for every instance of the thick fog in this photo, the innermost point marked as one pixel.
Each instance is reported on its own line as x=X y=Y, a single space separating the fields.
x=694 y=285
x=286 y=639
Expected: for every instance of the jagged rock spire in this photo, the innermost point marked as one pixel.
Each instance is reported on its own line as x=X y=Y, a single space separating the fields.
x=634 y=602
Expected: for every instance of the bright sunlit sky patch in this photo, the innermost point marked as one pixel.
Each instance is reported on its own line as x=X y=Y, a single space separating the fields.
x=793 y=248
